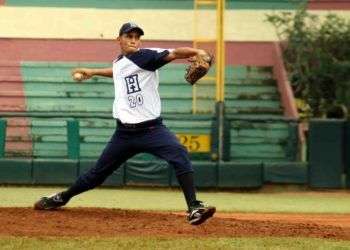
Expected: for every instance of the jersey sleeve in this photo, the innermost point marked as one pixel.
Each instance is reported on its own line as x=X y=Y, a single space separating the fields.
x=156 y=58
x=150 y=59
x=159 y=58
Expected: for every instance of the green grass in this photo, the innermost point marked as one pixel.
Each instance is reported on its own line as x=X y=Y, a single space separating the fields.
x=172 y=199
x=167 y=243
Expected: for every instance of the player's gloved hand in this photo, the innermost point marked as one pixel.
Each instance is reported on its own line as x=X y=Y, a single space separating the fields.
x=199 y=66
x=81 y=74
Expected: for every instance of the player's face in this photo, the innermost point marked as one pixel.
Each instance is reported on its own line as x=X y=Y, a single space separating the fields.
x=129 y=42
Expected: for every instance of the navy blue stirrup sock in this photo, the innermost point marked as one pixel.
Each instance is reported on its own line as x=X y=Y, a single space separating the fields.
x=77 y=188
x=187 y=185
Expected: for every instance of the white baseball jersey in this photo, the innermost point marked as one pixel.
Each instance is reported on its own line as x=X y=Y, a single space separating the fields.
x=136 y=84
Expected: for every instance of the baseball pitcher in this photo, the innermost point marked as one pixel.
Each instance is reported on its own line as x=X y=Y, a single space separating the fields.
x=137 y=111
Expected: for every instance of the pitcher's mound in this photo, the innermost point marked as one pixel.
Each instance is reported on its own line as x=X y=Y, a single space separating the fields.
x=115 y=222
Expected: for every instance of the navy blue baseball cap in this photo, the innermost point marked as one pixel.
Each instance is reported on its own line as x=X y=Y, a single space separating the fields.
x=127 y=27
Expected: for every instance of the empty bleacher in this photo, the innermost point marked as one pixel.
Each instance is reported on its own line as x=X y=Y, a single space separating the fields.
x=256 y=131
x=250 y=92
x=257 y=128
x=52 y=97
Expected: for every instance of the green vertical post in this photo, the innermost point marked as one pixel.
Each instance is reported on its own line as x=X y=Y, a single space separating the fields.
x=226 y=151
x=220 y=113
x=73 y=139
x=214 y=139
x=326 y=159
x=215 y=135
x=2 y=137
x=293 y=141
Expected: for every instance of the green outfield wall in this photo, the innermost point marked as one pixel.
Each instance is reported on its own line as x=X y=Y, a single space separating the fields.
x=326 y=167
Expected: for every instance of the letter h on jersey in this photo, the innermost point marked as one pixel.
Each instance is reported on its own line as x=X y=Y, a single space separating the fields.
x=132 y=84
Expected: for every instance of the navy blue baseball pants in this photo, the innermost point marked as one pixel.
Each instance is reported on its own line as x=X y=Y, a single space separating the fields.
x=130 y=139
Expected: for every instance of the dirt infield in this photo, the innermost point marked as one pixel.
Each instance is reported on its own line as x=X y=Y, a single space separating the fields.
x=115 y=222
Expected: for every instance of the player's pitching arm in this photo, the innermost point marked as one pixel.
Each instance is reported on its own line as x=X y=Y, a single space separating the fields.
x=81 y=74
x=183 y=53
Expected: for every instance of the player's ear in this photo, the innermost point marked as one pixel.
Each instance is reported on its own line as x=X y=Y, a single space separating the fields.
x=119 y=40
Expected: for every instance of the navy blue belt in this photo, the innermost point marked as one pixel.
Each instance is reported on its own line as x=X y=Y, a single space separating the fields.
x=145 y=124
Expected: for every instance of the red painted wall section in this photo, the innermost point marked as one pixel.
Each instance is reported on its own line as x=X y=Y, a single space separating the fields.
x=329 y=5
x=2 y=2
x=68 y=50
x=250 y=53
x=18 y=139
x=11 y=87
x=287 y=97
x=55 y=50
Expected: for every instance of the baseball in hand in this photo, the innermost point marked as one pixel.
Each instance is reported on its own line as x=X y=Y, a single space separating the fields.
x=78 y=76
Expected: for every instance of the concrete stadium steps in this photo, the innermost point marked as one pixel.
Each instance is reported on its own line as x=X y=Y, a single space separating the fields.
x=264 y=140
x=172 y=82
x=11 y=87
x=244 y=73
x=50 y=137
x=258 y=131
x=249 y=103
x=12 y=99
x=49 y=89
x=51 y=83
x=251 y=92
x=9 y=68
x=254 y=112
x=18 y=138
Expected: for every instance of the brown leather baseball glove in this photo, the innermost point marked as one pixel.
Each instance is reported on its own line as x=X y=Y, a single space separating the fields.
x=198 y=67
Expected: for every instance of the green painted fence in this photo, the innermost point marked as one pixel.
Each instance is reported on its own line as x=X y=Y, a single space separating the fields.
x=327 y=153
x=65 y=162
x=263 y=139
x=2 y=137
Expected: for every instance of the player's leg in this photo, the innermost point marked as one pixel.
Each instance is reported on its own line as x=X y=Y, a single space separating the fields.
x=115 y=153
x=164 y=144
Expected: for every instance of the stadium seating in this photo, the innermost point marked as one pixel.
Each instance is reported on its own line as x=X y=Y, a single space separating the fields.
x=47 y=98
x=52 y=97
x=257 y=128
x=250 y=92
